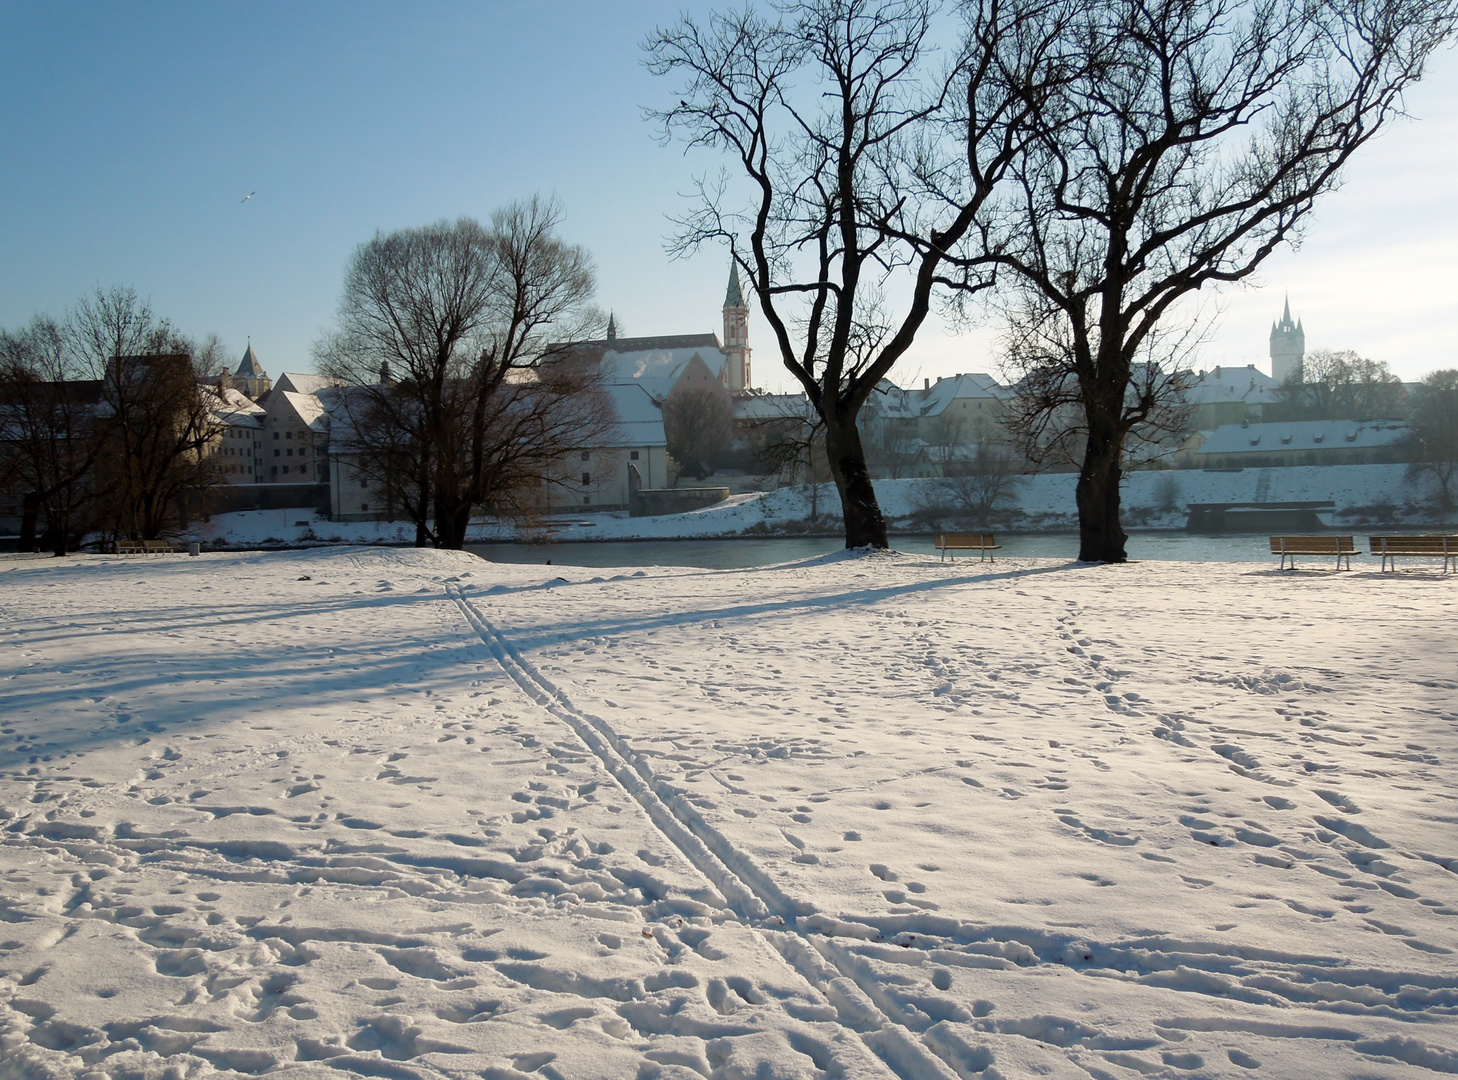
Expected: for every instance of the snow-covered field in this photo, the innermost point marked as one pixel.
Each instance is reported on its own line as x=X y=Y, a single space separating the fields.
x=392 y=813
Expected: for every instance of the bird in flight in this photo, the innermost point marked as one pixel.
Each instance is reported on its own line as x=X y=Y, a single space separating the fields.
x=250 y=195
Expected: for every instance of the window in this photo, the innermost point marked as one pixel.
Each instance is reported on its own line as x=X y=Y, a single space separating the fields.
x=363 y=507
x=290 y=452
x=363 y=484
x=587 y=478
x=276 y=451
x=288 y=434
x=587 y=455
x=273 y=469
x=632 y=455
x=587 y=500
x=275 y=434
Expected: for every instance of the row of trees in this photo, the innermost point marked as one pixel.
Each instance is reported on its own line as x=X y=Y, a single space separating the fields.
x=1081 y=168
x=104 y=420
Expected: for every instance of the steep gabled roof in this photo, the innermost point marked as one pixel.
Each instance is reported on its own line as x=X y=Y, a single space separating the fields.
x=1248 y=385
x=249 y=367
x=301 y=383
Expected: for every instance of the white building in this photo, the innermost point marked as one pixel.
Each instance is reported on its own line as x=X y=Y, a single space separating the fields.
x=1230 y=395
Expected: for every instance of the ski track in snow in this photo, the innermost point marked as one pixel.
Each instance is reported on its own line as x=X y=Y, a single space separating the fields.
x=355 y=813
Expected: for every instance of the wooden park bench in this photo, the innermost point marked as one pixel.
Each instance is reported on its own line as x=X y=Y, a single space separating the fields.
x=1288 y=547
x=955 y=542
x=144 y=547
x=1390 y=547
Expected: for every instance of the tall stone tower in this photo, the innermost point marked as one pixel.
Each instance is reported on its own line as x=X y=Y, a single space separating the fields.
x=1288 y=347
x=736 y=334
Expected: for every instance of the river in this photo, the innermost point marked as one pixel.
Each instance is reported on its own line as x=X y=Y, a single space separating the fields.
x=731 y=554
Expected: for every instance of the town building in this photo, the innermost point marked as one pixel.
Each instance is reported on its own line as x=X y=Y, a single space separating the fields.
x=1230 y=395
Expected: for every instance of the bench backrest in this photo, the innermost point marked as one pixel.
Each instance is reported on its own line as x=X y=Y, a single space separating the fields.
x=1312 y=545
x=1412 y=545
x=967 y=540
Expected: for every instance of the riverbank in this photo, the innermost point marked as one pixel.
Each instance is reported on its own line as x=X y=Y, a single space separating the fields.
x=1364 y=496
x=406 y=813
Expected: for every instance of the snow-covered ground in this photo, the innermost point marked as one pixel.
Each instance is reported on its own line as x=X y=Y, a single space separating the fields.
x=398 y=813
x=1152 y=499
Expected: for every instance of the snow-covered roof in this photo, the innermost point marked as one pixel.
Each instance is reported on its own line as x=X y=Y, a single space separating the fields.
x=656 y=388
x=665 y=363
x=302 y=383
x=639 y=419
x=232 y=406
x=1248 y=385
x=935 y=398
x=773 y=407
x=894 y=401
x=1304 y=435
x=308 y=408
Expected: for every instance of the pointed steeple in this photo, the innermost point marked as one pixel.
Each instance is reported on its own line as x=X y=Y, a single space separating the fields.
x=249 y=367
x=612 y=330
x=736 y=334
x=733 y=296
x=1288 y=346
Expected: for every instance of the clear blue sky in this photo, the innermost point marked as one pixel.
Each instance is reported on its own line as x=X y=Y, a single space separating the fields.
x=131 y=132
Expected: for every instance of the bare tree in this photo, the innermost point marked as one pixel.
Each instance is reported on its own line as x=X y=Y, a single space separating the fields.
x=1341 y=386
x=1434 y=422
x=981 y=483
x=47 y=436
x=159 y=417
x=699 y=427
x=442 y=344
x=860 y=156
x=1192 y=143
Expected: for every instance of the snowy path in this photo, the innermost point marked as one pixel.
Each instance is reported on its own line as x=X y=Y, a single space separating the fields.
x=405 y=814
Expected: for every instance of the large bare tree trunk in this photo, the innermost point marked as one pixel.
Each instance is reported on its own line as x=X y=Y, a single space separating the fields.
x=1100 y=536
x=864 y=525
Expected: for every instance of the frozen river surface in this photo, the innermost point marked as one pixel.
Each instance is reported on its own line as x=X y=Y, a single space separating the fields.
x=743 y=553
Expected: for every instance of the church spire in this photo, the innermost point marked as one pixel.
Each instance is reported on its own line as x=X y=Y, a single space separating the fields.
x=733 y=296
x=1288 y=346
x=612 y=330
x=736 y=334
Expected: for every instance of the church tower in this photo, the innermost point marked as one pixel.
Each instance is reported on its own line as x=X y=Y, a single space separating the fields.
x=1288 y=347
x=250 y=376
x=736 y=334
